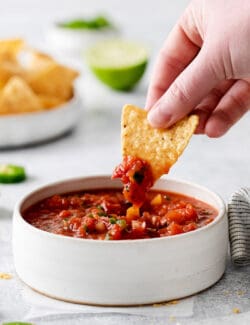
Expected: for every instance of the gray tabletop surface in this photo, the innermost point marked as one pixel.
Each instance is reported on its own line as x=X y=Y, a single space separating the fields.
x=93 y=147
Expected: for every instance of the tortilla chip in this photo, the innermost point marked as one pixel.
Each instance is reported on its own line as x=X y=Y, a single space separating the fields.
x=9 y=69
x=159 y=147
x=9 y=49
x=41 y=82
x=39 y=60
x=18 y=97
x=54 y=80
x=5 y=276
x=48 y=102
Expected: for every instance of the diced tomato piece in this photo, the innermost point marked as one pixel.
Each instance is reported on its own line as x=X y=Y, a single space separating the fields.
x=138 y=225
x=182 y=215
x=75 y=202
x=163 y=210
x=57 y=202
x=190 y=212
x=81 y=232
x=163 y=221
x=65 y=214
x=174 y=229
x=155 y=220
x=179 y=204
x=207 y=221
x=75 y=223
x=163 y=232
x=115 y=232
x=111 y=206
x=176 y=215
x=89 y=223
x=190 y=227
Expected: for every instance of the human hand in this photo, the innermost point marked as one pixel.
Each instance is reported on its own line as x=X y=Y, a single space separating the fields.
x=204 y=68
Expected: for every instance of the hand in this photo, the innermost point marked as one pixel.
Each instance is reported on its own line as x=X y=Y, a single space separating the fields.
x=204 y=68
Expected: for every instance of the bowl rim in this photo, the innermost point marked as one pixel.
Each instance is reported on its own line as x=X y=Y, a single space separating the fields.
x=17 y=213
x=55 y=27
x=65 y=105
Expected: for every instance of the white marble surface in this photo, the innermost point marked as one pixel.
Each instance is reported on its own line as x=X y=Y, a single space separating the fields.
x=94 y=148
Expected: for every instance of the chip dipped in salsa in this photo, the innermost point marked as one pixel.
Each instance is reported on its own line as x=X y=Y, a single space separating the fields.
x=105 y=214
x=136 y=175
x=148 y=153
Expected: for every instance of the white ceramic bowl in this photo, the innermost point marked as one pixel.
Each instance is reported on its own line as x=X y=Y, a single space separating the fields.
x=127 y=272
x=30 y=128
x=74 y=41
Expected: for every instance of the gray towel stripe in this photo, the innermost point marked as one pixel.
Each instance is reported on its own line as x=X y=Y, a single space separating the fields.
x=239 y=226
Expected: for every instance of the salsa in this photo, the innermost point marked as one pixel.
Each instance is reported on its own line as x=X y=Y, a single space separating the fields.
x=105 y=214
x=137 y=178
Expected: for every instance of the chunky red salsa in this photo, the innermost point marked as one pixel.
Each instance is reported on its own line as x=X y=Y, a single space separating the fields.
x=137 y=178
x=107 y=214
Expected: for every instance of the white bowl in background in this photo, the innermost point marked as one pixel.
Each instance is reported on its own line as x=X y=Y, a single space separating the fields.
x=125 y=272
x=76 y=41
x=30 y=128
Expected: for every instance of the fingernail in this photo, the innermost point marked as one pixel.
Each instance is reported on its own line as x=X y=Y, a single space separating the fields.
x=158 y=117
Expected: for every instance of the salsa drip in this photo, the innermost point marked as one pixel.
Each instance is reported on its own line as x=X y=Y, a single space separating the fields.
x=106 y=214
x=137 y=178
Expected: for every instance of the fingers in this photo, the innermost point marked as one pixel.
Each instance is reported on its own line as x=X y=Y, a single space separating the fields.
x=185 y=93
x=230 y=109
x=177 y=52
x=209 y=103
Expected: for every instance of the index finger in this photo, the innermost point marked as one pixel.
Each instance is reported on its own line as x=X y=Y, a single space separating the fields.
x=180 y=48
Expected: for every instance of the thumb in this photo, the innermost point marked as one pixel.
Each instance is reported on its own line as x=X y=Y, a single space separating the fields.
x=185 y=93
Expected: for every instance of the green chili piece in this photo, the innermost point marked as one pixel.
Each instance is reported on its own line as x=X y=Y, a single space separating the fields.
x=85 y=227
x=112 y=220
x=122 y=223
x=11 y=173
x=102 y=214
x=97 y=22
x=17 y=323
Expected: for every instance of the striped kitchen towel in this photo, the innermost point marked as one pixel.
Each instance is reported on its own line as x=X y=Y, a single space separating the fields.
x=239 y=226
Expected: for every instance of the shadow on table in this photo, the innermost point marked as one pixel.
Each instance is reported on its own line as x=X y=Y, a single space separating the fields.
x=5 y=213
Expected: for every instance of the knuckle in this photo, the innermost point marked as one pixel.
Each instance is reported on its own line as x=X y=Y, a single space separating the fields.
x=225 y=117
x=203 y=109
x=239 y=102
x=171 y=61
x=217 y=93
x=179 y=92
x=214 y=63
x=159 y=88
x=217 y=69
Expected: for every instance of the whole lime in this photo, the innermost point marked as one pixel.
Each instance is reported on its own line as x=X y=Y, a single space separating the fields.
x=119 y=64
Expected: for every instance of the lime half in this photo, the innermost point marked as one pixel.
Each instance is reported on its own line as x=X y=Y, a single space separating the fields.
x=117 y=63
